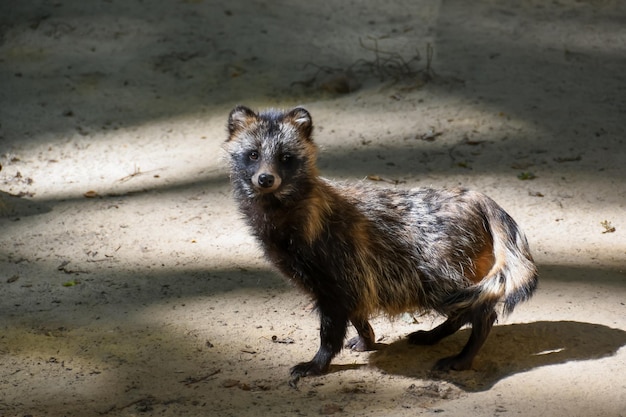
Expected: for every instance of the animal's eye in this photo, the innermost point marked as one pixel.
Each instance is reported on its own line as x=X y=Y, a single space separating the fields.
x=286 y=157
x=253 y=155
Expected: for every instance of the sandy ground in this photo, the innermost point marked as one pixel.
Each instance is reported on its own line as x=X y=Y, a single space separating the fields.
x=130 y=285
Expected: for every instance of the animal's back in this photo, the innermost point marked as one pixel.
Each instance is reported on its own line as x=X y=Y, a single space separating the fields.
x=422 y=244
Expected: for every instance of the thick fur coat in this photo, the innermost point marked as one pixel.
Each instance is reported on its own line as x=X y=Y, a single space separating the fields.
x=360 y=250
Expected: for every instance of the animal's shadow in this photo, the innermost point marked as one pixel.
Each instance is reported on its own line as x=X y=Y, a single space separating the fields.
x=510 y=349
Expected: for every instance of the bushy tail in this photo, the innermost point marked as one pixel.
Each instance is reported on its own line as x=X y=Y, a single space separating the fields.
x=513 y=277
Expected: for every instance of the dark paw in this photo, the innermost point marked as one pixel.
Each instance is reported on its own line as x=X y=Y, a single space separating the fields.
x=423 y=337
x=453 y=363
x=307 y=369
x=360 y=344
x=304 y=369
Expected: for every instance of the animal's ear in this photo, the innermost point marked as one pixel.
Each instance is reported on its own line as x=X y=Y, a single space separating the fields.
x=239 y=118
x=301 y=118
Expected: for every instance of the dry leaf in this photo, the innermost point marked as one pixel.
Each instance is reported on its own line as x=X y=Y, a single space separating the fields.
x=608 y=227
x=229 y=383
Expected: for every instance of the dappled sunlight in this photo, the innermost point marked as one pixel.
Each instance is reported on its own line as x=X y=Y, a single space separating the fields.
x=108 y=356
x=161 y=154
x=131 y=284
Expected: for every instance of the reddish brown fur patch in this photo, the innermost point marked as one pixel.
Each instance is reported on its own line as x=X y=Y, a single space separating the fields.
x=483 y=262
x=317 y=211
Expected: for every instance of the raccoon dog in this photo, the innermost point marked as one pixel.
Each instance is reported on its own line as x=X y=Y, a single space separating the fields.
x=358 y=250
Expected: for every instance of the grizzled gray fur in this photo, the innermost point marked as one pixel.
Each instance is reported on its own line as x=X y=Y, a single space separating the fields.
x=360 y=250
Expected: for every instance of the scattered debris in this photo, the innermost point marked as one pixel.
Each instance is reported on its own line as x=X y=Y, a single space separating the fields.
x=608 y=227
x=428 y=394
x=384 y=66
x=568 y=159
x=526 y=175
x=137 y=172
x=470 y=142
x=284 y=340
x=465 y=141
x=143 y=405
x=381 y=179
x=245 y=386
x=63 y=268
x=18 y=178
x=358 y=389
x=194 y=380
x=392 y=65
x=522 y=165
x=329 y=409
x=430 y=136
x=229 y=383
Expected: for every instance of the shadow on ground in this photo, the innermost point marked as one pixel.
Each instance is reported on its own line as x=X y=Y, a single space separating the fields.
x=93 y=338
x=522 y=347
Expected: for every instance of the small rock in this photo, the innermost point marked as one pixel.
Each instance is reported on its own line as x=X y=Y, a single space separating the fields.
x=329 y=409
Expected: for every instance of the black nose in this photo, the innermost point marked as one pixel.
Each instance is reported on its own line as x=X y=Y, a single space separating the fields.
x=266 y=180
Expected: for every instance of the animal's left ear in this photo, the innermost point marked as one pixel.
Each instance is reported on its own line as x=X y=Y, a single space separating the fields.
x=301 y=118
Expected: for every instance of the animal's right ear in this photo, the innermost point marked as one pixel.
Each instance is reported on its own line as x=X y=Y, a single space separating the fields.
x=301 y=118
x=240 y=117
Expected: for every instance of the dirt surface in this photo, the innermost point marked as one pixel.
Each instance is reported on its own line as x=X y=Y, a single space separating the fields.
x=130 y=285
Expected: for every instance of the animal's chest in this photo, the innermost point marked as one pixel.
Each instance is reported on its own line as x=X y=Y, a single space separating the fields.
x=286 y=249
x=312 y=263
x=307 y=264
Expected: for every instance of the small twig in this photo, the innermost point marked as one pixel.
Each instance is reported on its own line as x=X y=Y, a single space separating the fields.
x=137 y=172
x=381 y=179
x=385 y=65
x=561 y=159
x=63 y=268
x=191 y=380
x=149 y=399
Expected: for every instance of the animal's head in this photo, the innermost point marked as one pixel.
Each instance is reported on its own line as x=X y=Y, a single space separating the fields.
x=270 y=152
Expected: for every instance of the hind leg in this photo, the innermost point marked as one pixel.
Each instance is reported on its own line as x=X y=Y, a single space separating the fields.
x=482 y=322
x=445 y=329
x=365 y=340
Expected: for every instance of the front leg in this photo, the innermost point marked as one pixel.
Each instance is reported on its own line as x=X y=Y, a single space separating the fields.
x=333 y=324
